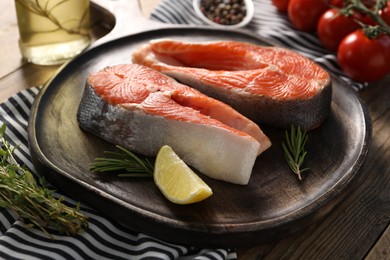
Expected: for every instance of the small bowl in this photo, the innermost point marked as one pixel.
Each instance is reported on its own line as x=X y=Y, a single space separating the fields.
x=250 y=10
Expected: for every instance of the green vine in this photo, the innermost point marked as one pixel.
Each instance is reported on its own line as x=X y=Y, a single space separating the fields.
x=350 y=7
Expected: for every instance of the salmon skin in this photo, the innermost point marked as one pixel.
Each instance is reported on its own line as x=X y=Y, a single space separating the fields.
x=269 y=85
x=141 y=109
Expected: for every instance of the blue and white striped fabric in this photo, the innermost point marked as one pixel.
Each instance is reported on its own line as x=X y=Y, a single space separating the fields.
x=267 y=23
x=104 y=239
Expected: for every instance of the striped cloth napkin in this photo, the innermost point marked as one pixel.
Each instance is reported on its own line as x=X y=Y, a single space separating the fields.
x=267 y=23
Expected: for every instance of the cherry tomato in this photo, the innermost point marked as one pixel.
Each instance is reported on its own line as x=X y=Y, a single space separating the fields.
x=336 y=3
x=385 y=13
x=364 y=59
x=304 y=14
x=281 y=5
x=369 y=3
x=333 y=27
x=364 y=18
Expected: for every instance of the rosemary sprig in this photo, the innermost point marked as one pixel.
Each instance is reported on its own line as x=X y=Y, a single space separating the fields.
x=123 y=160
x=34 y=203
x=294 y=150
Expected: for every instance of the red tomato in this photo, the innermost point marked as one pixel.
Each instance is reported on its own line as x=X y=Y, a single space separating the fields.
x=364 y=18
x=333 y=27
x=364 y=59
x=336 y=3
x=385 y=13
x=281 y=5
x=369 y=3
x=304 y=14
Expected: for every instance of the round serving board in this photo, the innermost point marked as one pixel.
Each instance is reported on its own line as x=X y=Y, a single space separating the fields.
x=273 y=204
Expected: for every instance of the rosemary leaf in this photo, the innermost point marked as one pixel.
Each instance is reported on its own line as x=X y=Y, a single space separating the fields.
x=294 y=150
x=123 y=160
x=34 y=203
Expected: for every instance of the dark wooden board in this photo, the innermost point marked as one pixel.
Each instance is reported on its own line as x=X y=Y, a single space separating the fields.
x=274 y=204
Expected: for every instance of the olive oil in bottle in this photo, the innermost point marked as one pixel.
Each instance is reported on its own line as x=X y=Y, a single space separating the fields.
x=52 y=31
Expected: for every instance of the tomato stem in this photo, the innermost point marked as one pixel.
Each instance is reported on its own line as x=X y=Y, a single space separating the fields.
x=372 y=31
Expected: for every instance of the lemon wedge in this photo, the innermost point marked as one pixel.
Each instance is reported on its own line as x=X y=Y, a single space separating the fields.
x=176 y=180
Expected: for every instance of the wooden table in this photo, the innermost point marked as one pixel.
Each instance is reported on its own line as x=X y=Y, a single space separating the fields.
x=358 y=228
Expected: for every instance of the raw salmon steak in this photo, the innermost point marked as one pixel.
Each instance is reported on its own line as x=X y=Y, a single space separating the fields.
x=142 y=109
x=269 y=85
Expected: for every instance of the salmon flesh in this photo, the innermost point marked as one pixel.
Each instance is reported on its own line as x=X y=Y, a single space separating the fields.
x=269 y=85
x=142 y=109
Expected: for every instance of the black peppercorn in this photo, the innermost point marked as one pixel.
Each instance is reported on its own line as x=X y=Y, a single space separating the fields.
x=226 y=12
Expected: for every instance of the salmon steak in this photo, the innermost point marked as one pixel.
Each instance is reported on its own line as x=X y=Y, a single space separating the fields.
x=269 y=85
x=142 y=109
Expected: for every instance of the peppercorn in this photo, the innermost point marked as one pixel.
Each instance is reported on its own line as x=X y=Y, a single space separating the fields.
x=226 y=12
